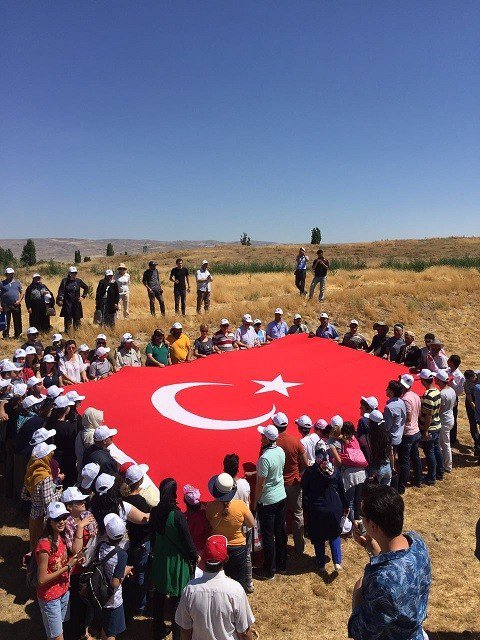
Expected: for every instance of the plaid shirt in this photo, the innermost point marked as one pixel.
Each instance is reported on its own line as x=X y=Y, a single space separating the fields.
x=90 y=530
x=45 y=492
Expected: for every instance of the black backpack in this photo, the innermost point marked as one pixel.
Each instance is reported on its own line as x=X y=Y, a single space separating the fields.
x=94 y=587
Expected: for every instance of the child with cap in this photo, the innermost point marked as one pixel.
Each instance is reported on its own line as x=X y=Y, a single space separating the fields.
x=54 y=567
x=367 y=404
x=116 y=569
x=309 y=440
x=198 y=524
x=332 y=432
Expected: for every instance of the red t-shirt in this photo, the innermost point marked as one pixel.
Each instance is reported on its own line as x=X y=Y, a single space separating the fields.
x=56 y=588
x=199 y=527
x=294 y=451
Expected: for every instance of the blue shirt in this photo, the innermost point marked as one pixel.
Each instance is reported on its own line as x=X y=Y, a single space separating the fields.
x=395 y=590
x=476 y=399
x=302 y=263
x=277 y=330
x=328 y=332
x=9 y=293
x=270 y=466
x=395 y=416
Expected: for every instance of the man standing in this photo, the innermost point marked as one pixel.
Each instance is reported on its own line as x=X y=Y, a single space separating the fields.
x=270 y=499
x=394 y=346
x=408 y=449
x=181 y=285
x=98 y=451
x=296 y=460
x=448 y=399
x=320 y=268
x=123 y=280
x=378 y=341
x=429 y=423
x=301 y=270
x=298 y=326
x=203 y=278
x=180 y=348
x=395 y=413
x=391 y=598
x=107 y=298
x=353 y=339
x=224 y=339
x=151 y=281
x=278 y=328
x=457 y=383
x=325 y=329
x=214 y=607
x=245 y=335
x=436 y=358
x=11 y=296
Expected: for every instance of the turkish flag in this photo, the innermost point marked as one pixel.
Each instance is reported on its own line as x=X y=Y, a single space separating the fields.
x=182 y=420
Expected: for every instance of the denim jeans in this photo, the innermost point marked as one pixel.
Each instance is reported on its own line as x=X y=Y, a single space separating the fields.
x=54 y=613
x=433 y=455
x=383 y=473
x=408 y=452
x=354 y=498
x=180 y=297
x=138 y=583
x=335 y=549
x=474 y=432
x=300 y=277
x=322 y=281
x=236 y=565
x=274 y=536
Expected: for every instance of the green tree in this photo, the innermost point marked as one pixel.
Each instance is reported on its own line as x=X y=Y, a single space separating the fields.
x=110 y=251
x=29 y=254
x=87 y=259
x=316 y=236
x=245 y=240
x=78 y=257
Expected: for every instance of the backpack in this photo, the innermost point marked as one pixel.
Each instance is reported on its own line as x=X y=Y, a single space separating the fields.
x=93 y=585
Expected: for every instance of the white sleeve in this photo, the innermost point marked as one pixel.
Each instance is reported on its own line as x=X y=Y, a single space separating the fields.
x=127 y=507
x=182 y=615
x=244 y=617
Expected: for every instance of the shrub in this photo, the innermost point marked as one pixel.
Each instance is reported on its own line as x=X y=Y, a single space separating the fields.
x=418 y=265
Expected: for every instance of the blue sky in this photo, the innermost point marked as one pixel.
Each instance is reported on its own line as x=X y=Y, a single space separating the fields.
x=195 y=120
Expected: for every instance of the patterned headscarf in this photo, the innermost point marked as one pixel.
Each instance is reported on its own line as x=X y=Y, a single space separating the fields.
x=323 y=458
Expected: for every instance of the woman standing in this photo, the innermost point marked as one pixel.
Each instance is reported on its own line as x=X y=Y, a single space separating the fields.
x=49 y=372
x=91 y=419
x=157 y=351
x=377 y=446
x=70 y=292
x=324 y=503
x=107 y=298
x=54 y=569
x=64 y=438
x=228 y=517
x=174 y=556
x=203 y=345
x=71 y=365
x=38 y=300
x=123 y=280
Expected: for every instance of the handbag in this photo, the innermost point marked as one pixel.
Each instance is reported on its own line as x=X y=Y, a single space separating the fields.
x=97 y=316
x=353 y=457
x=51 y=311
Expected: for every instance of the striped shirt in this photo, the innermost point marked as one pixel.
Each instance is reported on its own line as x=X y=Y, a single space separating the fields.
x=430 y=401
x=224 y=341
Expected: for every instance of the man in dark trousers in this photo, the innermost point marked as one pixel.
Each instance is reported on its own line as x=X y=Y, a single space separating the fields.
x=151 y=281
x=181 y=285
x=107 y=298
x=320 y=268
x=11 y=296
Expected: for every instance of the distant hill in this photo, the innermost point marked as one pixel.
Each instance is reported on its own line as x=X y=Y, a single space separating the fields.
x=63 y=249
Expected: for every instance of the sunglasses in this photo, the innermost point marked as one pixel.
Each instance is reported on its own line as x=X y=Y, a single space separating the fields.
x=61 y=518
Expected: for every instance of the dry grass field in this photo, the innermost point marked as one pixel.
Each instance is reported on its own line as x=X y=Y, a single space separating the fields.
x=302 y=605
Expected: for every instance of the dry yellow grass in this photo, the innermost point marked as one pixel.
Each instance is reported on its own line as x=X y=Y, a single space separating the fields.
x=302 y=605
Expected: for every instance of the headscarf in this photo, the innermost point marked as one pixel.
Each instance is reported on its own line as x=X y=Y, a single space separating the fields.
x=91 y=419
x=37 y=470
x=323 y=458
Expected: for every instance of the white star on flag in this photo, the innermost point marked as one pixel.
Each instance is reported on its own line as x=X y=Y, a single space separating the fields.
x=278 y=385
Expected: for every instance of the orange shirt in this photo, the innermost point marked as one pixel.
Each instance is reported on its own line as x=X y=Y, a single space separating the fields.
x=294 y=451
x=229 y=525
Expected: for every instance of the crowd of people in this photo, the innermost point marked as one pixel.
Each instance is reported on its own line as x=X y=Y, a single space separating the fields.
x=91 y=505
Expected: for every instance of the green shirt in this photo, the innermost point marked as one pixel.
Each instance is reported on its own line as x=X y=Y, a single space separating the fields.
x=270 y=466
x=430 y=401
x=160 y=353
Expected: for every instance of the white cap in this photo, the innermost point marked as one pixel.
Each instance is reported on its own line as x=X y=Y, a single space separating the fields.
x=9 y=270
x=84 y=347
x=135 y=473
x=127 y=337
x=323 y=315
x=30 y=350
x=89 y=473
x=336 y=421
x=425 y=374
x=204 y=261
x=43 y=449
x=62 y=402
x=74 y=396
x=297 y=316
x=36 y=275
x=247 y=317
x=19 y=353
x=41 y=435
x=10 y=366
x=224 y=322
x=72 y=270
x=56 y=510
x=302 y=248
x=257 y=321
x=31 y=401
x=47 y=297
x=270 y=432
x=101 y=336
x=406 y=380
x=19 y=389
x=102 y=433
x=31 y=330
x=280 y=420
x=103 y=483
x=354 y=322
x=31 y=382
x=4 y=383
x=304 y=422
x=102 y=351
x=109 y=272
x=177 y=325
x=114 y=526
x=48 y=358
x=371 y=401
x=442 y=375
x=374 y=416
x=320 y=424
x=279 y=311
x=54 y=391
x=56 y=337
x=73 y=494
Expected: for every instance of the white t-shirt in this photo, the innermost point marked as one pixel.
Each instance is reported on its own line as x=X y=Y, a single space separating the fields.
x=214 y=606
x=72 y=368
x=310 y=442
x=448 y=398
x=246 y=335
x=458 y=381
x=243 y=491
x=203 y=284
x=123 y=283
x=114 y=567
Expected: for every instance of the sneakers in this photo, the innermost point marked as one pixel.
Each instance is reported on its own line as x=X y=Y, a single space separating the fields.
x=249 y=588
x=261 y=575
x=338 y=567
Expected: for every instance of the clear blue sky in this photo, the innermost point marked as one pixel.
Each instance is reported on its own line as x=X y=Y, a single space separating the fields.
x=195 y=120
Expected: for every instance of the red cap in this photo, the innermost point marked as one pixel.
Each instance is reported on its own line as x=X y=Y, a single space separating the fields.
x=215 y=550
x=125 y=466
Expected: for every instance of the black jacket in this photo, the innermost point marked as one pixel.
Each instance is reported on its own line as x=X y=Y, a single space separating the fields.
x=113 y=295
x=95 y=453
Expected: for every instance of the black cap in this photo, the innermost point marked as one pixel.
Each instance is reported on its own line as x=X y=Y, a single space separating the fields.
x=152 y=263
